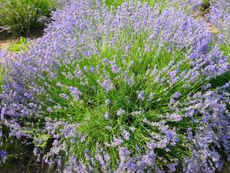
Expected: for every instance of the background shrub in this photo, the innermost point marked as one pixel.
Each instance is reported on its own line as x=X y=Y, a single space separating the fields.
x=20 y=16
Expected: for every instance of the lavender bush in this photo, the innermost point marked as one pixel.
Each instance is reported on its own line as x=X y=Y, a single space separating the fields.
x=127 y=91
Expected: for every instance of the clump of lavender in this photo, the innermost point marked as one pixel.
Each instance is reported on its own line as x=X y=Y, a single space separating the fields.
x=124 y=91
x=216 y=14
x=219 y=17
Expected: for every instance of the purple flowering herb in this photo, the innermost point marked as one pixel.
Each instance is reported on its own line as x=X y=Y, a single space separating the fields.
x=62 y=84
x=3 y=154
x=107 y=85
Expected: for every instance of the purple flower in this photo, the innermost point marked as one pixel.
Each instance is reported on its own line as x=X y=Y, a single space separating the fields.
x=3 y=154
x=114 y=68
x=76 y=93
x=175 y=117
x=125 y=134
x=106 y=115
x=123 y=153
x=141 y=96
x=120 y=112
x=149 y=158
x=107 y=101
x=107 y=85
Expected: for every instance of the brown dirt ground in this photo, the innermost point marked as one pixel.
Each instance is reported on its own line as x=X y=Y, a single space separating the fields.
x=6 y=39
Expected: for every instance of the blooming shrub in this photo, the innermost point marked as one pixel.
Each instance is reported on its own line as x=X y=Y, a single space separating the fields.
x=130 y=91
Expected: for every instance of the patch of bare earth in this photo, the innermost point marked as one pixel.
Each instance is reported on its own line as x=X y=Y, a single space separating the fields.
x=7 y=39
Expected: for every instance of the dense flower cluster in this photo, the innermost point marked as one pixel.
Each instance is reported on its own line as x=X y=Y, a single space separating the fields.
x=219 y=16
x=125 y=91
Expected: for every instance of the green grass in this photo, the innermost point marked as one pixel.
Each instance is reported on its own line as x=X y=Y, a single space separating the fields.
x=19 y=16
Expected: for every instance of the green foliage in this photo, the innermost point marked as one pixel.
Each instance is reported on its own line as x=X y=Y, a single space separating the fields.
x=221 y=80
x=19 y=156
x=116 y=3
x=206 y=2
x=20 y=45
x=2 y=71
x=19 y=16
x=225 y=48
x=205 y=5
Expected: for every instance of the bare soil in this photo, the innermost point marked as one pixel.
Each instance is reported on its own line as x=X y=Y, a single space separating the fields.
x=7 y=38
